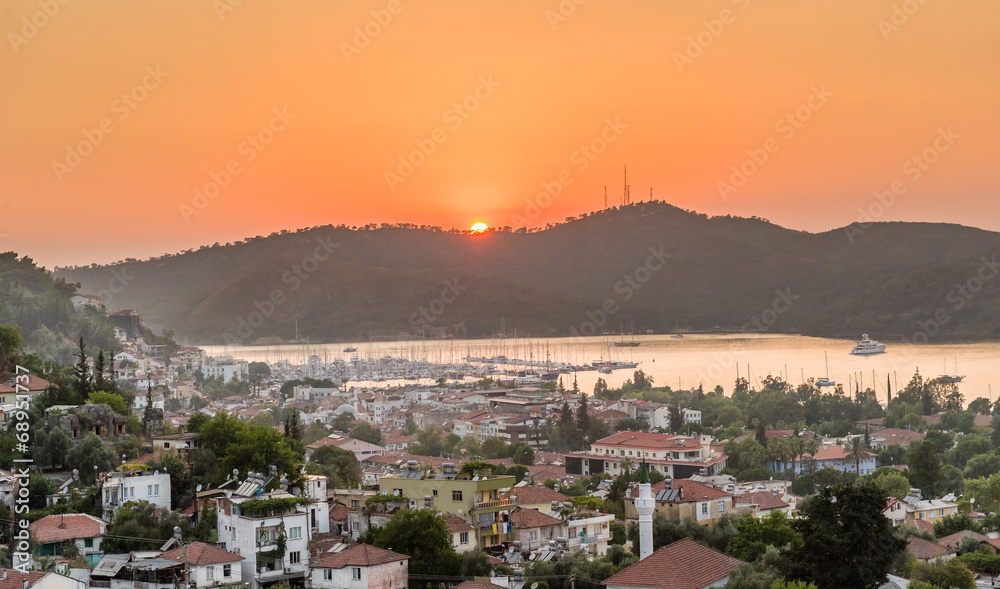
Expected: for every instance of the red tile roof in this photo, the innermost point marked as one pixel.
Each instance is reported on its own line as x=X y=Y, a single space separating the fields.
x=524 y=519
x=685 y=564
x=925 y=549
x=648 y=440
x=199 y=553
x=34 y=385
x=689 y=490
x=477 y=585
x=763 y=499
x=339 y=512
x=59 y=528
x=13 y=578
x=358 y=555
x=456 y=524
x=536 y=495
x=955 y=539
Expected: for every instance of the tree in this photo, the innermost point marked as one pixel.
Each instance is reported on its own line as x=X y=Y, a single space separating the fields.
x=257 y=372
x=422 y=535
x=84 y=378
x=342 y=422
x=140 y=520
x=953 y=575
x=340 y=466
x=89 y=452
x=980 y=406
x=476 y=563
x=195 y=423
x=367 y=433
x=676 y=417
x=754 y=535
x=11 y=346
x=523 y=454
x=857 y=451
x=846 y=541
x=112 y=400
x=582 y=416
x=892 y=482
x=924 y=467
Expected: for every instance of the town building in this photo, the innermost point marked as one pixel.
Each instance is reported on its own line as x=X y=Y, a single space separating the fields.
x=473 y=497
x=271 y=531
x=53 y=534
x=207 y=565
x=674 y=456
x=359 y=566
x=135 y=485
x=684 y=499
x=685 y=564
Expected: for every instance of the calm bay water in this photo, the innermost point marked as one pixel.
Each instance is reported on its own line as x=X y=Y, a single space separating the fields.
x=686 y=362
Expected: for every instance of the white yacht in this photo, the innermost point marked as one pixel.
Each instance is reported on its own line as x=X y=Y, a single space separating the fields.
x=867 y=346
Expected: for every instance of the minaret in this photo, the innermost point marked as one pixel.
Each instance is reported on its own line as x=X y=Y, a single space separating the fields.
x=645 y=505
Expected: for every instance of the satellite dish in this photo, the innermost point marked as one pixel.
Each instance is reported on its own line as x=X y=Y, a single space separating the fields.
x=229 y=494
x=198 y=489
x=395 y=492
x=156 y=472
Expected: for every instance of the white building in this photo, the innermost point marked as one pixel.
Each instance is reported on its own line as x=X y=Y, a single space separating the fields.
x=590 y=533
x=119 y=489
x=225 y=367
x=208 y=565
x=359 y=566
x=251 y=524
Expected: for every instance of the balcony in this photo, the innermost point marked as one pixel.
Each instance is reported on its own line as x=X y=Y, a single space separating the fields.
x=493 y=504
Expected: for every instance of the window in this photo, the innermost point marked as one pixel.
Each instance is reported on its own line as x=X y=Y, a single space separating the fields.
x=209 y=573
x=940 y=513
x=354 y=503
x=704 y=508
x=356 y=573
x=327 y=574
x=88 y=542
x=295 y=533
x=722 y=505
x=293 y=557
x=227 y=570
x=531 y=535
x=435 y=492
x=166 y=445
x=456 y=495
x=463 y=538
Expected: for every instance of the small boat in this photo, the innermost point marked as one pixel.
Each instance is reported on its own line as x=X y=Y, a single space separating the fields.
x=350 y=349
x=825 y=381
x=627 y=344
x=951 y=378
x=867 y=346
x=677 y=335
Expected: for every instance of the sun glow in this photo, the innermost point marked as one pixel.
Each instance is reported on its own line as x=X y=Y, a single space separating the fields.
x=479 y=227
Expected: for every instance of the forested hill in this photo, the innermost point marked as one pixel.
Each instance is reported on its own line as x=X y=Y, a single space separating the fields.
x=654 y=265
x=39 y=305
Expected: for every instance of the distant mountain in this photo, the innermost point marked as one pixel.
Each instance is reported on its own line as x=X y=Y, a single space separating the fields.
x=647 y=265
x=41 y=307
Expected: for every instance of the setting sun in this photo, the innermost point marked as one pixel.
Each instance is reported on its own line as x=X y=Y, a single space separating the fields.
x=480 y=227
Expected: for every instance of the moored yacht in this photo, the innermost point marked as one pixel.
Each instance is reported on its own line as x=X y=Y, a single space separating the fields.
x=867 y=346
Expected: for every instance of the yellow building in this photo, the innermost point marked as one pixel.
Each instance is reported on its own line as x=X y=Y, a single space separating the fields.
x=472 y=497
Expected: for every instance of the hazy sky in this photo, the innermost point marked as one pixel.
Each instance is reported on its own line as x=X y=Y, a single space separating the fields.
x=134 y=128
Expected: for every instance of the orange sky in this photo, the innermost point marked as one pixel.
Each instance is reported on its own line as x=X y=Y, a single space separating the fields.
x=547 y=84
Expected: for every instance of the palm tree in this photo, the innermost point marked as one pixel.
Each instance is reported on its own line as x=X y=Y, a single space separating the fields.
x=796 y=446
x=626 y=466
x=856 y=452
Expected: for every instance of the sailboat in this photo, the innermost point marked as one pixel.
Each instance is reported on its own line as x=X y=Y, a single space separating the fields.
x=952 y=378
x=825 y=381
x=296 y=341
x=627 y=344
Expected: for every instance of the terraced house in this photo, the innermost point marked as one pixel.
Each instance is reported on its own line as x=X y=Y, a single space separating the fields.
x=674 y=456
